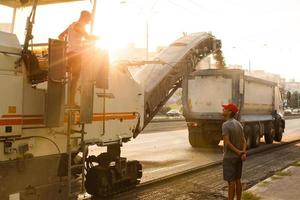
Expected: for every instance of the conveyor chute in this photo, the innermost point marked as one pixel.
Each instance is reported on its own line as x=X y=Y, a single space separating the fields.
x=181 y=57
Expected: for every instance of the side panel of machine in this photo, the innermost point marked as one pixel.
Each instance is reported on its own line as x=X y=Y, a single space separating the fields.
x=7 y=62
x=117 y=110
x=32 y=178
x=11 y=89
x=11 y=107
x=56 y=86
x=33 y=105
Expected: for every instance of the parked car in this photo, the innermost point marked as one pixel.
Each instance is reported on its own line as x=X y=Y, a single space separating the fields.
x=296 y=110
x=173 y=113
x=288 y=111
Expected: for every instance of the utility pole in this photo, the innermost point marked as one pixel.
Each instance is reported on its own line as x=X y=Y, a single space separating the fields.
x=12 y=28
x=147 y=27
x=147 y=40
x=249 y=58
x=249 y=65
x=93 y=16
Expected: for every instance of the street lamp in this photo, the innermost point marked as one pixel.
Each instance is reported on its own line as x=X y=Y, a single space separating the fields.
x=93 y=15
x=147 y=26
x=249 y=59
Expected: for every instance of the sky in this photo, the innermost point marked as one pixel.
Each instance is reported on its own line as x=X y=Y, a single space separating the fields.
x=264 y=33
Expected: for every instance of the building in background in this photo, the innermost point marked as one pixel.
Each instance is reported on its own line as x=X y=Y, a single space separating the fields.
x=132 y=53
x=292 y=86
x=231 y=66
x=267 y=76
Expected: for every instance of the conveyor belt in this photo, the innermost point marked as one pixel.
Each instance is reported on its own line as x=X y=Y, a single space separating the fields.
x=160 y=81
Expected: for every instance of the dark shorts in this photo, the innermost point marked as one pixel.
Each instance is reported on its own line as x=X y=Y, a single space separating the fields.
x=232 y=169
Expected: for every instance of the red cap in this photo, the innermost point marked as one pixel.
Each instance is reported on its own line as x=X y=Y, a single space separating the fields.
x=231 y=106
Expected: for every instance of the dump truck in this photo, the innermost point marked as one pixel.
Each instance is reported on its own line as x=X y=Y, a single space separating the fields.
x=259 y=101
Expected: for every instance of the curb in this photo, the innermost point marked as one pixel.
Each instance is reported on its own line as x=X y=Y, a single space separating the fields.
x=254 y=189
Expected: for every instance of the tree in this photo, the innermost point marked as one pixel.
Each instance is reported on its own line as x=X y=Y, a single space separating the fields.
x=164 y=110
x=294 y=100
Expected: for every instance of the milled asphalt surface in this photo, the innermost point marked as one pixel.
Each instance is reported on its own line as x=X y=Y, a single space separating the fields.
x=169 y=152
x=208 y=184
x=166 y=153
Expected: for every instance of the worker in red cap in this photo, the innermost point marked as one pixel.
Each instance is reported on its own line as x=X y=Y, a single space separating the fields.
x=234 y=151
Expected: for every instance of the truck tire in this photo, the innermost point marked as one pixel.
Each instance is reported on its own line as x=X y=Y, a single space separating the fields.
x=248 y=135
x=256 y=135
x=198 y=138
x=195 y=138
x=268 y=134
x=214 y=141
x=278 y=131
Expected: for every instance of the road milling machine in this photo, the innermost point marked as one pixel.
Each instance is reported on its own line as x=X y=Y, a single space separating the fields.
x=44 y=140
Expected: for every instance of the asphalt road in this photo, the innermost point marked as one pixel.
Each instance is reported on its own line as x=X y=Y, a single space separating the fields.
x=168 y=151
x=208 y=184
x=164 y=126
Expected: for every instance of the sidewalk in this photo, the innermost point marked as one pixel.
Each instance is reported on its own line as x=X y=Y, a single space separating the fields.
x=283 y=185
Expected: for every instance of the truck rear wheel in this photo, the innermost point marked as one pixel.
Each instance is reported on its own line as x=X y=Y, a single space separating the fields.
x=248 y=135
x=269 y=132
x=278 y=131
x=195 y=139
x=198 y=138
x=256 y=135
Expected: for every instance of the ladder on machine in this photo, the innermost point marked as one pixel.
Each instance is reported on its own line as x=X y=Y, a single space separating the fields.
x=73 y=134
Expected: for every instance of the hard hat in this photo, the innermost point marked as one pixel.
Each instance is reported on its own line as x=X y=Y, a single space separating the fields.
x=231 y=106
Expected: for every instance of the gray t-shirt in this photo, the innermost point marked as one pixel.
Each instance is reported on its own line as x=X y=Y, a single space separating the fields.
x=234 y=130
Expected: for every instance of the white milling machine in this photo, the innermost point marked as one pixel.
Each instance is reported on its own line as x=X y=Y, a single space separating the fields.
x=44 y=142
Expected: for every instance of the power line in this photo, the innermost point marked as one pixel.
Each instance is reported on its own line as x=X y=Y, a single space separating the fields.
x=182 y=7
x=208 y=10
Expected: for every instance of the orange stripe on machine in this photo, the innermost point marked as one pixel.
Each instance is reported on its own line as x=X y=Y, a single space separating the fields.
x=7 y=120
x=114 y=116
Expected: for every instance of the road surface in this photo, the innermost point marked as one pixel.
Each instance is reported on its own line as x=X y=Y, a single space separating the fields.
x=167 y=152
x=157 y=127
x=208 y=184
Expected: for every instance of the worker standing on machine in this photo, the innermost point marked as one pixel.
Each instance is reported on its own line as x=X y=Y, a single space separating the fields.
x=234 y=151
x=74 y=36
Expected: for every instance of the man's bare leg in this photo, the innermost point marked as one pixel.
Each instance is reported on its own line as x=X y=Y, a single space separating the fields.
x=73 y=90
x=231 y=190
x=74 y=63
x=238 y=186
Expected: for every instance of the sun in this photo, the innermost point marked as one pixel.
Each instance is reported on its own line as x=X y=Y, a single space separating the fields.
x=107 y=44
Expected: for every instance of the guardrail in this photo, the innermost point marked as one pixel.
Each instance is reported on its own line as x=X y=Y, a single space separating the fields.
x=292 y=116
x=167 y=119
x=174 y=119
